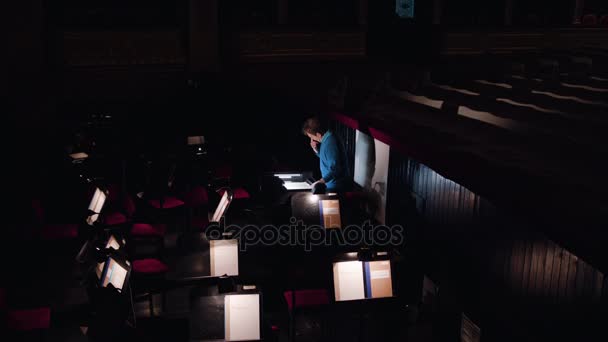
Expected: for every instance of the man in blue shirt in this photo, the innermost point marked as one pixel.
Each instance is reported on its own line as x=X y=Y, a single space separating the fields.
x=332 y=156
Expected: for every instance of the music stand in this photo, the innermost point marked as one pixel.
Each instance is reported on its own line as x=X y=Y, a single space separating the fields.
x=233 y=316
x=362 y=275
x=115 y=273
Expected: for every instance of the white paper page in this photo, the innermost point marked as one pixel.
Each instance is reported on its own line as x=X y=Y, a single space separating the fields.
x=297 y=185
x=242 y=317
x=97 y=202
x=224 y=257
x=348 y=280
x=95 y=199
x=287 y=175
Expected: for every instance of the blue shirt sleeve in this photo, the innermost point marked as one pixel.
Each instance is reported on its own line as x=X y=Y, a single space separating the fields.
x=331 y=156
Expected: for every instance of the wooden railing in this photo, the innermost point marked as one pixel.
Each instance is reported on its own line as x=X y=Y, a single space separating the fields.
x=470 y=42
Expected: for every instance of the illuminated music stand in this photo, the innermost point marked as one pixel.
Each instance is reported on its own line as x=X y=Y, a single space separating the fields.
x=233 y=316
x=362 y=275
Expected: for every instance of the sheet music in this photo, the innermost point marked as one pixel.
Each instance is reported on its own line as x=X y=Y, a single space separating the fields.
x=242 y=317
x=115 y=274
x=221 y=208
x=348 y=280
x=297 y=185
x=331 y=213
x=224 y=257
x=96 y=204
x=379 y=279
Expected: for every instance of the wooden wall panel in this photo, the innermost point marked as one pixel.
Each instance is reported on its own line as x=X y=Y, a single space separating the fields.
x=528 y=264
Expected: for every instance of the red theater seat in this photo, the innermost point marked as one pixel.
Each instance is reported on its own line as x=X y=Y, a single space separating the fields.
x=238 y=193
x=149 y=266
x=306 y=298
x=52 y=231
x=589 y=20
x=114 y=218
x=29 y=319
x=223 y=171
x=196 y=197
x=604 y=20
x=120 y=212
x=168 y=202
x=145 y=229
x=199 y=223
x=59 y=231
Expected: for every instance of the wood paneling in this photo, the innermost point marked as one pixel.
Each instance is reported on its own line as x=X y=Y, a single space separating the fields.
x=267 y=46
x=122 y=48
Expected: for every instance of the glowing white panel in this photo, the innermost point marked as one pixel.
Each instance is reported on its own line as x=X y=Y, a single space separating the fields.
x=371 y=171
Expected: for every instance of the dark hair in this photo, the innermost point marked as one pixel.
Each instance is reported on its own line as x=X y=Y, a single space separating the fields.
x=313 y=126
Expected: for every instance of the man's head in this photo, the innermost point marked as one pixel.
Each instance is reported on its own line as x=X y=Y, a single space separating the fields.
x=314 y=129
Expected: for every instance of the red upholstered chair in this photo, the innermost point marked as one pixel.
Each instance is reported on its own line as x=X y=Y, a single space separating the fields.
x=149 y=266
x=149 y=276
x=29 y=319
x=167 y=202
x=604 y=20
x=143 y=230
x=18 y=321
x=306 y=299
x=197 y=202
x=589 y=20
x=52 y=231
x=119 y=212
x=223 y=171
x=197 y=197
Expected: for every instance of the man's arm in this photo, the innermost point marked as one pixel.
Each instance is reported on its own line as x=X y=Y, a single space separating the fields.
x=333 y=155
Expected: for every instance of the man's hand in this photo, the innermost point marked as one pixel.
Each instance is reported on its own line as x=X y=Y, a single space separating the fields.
x=314 y=145
x=320 y=181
